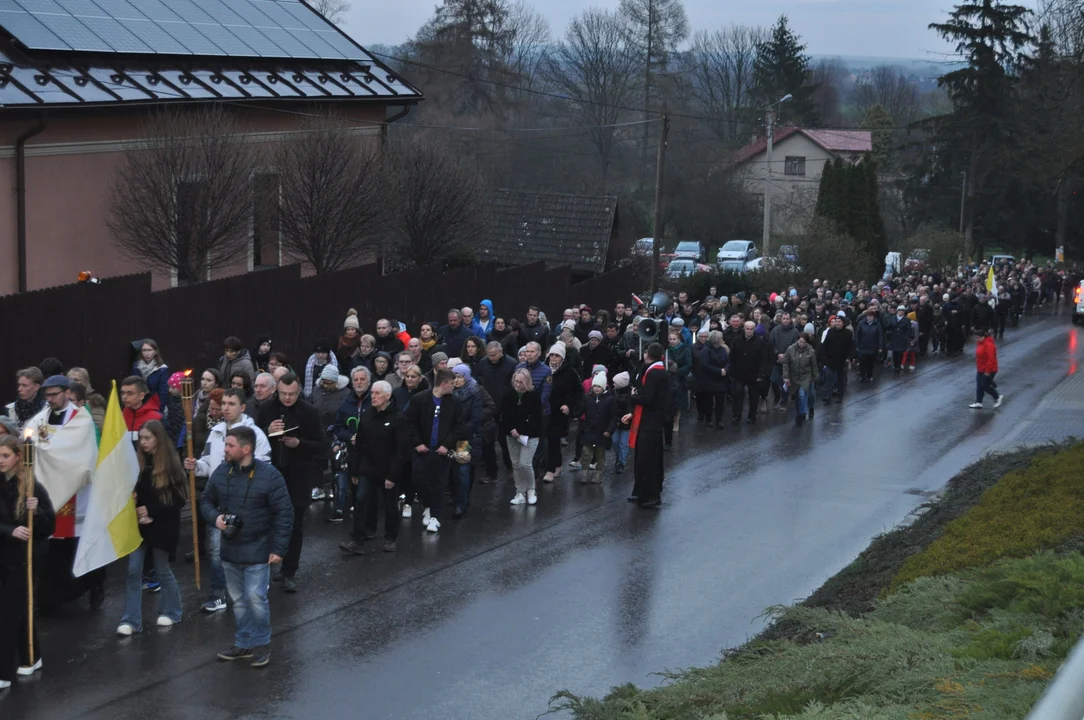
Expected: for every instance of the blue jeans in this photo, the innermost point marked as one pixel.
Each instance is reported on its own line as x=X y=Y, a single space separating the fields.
x=248 y=590
x=804 y=398
x=169 y=599
x=621 y=445
x=777 y=384
x=461 y=484
x=344 y=491
x=982 y=387
x=214 y=554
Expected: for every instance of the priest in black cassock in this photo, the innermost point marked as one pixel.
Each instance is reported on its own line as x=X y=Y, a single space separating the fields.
x=650 y=400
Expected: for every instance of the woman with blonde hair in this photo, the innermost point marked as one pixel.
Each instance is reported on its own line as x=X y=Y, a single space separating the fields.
x=15 y=507
x=95 y=400
x=521 y=420
x=159 y=496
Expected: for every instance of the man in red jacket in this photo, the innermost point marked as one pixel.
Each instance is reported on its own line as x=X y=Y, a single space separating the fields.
x=986 y=364
x=138 y=408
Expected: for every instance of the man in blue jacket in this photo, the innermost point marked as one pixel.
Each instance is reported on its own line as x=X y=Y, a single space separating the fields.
x=248 y=501
x=455 y=333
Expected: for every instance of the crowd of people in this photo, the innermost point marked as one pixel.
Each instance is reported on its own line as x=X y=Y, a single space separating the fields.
x=391 y=423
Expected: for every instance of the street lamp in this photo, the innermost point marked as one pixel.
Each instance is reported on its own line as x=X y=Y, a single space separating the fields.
x=769 y=120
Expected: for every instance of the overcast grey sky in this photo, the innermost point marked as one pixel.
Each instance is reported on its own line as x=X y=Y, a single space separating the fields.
x=881 y=28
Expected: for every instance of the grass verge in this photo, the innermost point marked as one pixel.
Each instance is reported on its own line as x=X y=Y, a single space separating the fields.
x=969 y=629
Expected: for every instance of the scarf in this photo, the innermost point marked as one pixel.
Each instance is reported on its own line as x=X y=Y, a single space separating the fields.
x=428 y=345
x=26 y=409
x=146 y=368
x=348 y=346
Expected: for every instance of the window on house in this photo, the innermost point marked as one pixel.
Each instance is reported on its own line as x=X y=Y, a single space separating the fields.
x=794 y=165
x=190 y=203
x=265 y=220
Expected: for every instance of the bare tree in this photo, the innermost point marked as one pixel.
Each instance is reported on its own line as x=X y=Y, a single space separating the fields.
x=330 y=206
x=436 y=210
x=826 y=78
x=890 y=88
x=333 y=10
x=526 y=49
x=182 y=204
x=719 y=67
x=599 y=72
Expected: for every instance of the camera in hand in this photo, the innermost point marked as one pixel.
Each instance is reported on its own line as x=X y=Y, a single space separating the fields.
x=233 y=525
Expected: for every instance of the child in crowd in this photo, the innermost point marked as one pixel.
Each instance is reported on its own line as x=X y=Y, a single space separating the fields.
x=599 y=424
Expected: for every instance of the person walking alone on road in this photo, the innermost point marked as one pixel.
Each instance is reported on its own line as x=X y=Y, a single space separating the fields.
x=986 y=366
x=159 y=496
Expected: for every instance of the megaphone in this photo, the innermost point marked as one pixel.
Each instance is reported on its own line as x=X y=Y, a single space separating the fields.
x=648 y=329
x=660 y=302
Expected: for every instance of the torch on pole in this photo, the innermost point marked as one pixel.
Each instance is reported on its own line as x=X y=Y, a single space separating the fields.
x=187 y=393
x=28 y=474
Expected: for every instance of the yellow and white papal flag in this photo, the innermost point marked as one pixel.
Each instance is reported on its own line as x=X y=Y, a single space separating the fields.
x=110 y=529
x=991 y=286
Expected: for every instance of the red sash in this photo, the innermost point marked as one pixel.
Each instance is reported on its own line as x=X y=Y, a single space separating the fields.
x=638 y=411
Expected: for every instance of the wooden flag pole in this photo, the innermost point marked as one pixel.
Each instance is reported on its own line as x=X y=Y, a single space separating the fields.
x=187 y=393
x=28 y=472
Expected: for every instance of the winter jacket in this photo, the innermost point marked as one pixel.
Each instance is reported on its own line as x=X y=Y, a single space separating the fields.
x=258 y=496
x=986 y=355
x=348 y=421
x=538 y=333
x=174 y=417
x=149 y=410
x=900 y=337
x=522 y=413
x=391 y=345
x=480 y=328
x=708 y=364
x=327 y=404
x=781 y=338
x=541 y=376
x=868 y=338
x=982 y=316
x=600 y=418
x=454 y=339
x=837 y=348
x=567 y=389
x=748 y=359
x=800 y=367
x=214 y=450
x=451 y=427
x=383 y=443
x=301 y=465
x=12 y=551
x=157 y=383
x=583 y=329
x=165 y=531
x=623 y=406
x=403 y=395
x=496 y=377
x=471 y=399
x=241 y=362
x=681 y=358
x=312 y=374
x=601 y=355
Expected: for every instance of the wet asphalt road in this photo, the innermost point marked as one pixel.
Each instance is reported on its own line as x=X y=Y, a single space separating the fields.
x=584 y=591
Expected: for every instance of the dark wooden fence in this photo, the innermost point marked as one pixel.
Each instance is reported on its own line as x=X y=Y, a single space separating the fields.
x=94 y=325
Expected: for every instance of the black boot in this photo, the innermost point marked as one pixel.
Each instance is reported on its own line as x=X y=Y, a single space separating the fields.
x=811 y=409
x=800 y=420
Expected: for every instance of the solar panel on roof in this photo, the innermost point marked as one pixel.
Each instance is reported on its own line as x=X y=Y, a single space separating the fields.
x=237 y=28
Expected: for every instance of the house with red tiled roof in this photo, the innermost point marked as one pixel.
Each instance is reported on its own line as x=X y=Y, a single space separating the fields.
x=798 y=158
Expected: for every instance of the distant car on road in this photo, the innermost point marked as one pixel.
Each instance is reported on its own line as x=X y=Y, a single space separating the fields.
x=997 y=260
x=1078 y=302
x=743 y=250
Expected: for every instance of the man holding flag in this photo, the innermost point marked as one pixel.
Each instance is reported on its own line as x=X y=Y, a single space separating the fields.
x=66 y=454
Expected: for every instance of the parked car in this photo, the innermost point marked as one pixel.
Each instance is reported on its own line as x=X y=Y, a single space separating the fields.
x=643 y=247
x=917 y=260
x=684 y=267
x=997 y=260
x=789 y=253
x=691 y=249
x=743 y=250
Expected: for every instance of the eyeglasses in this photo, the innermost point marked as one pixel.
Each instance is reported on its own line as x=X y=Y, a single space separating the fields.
x=54 y=394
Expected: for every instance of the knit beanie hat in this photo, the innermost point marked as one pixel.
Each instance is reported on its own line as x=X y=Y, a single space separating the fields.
x=594 y=335
x=598 y=369
x=438 y=358
x=453 y=363
x=569 y=325
x=809 y=329
x=174 y=381
x=322 y=345
x=621 y=380
x=557 y=349
x=329 y=373
x=462 y=369
x=599 y=380
x=351 y=320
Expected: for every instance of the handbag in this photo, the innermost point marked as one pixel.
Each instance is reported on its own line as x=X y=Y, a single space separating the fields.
x=462 y=452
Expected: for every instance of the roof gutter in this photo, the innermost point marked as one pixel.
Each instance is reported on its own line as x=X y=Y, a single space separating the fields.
x=20 y=195
x=388 y=121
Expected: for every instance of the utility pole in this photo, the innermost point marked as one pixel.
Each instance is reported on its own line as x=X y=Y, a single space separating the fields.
x=660 y=175
x=963 y=196
x=765 y=241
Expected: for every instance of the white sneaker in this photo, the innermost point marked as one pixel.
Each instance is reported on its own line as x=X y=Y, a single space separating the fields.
x=164 y=621
x=25 y=670
x=433 y=525
x=425 y=517
x=574 y=466
x=1000 y=399
x=407 y=512
x=519 y=499
x=532 y=497
x=912 y=368
x=5 y=684
x=975 y=406
x=124 y=630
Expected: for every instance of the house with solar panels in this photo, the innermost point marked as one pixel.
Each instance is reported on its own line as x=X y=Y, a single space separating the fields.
x=77 y=78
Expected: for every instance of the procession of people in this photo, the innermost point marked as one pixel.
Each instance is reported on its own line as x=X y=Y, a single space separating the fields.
x=407 y=421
